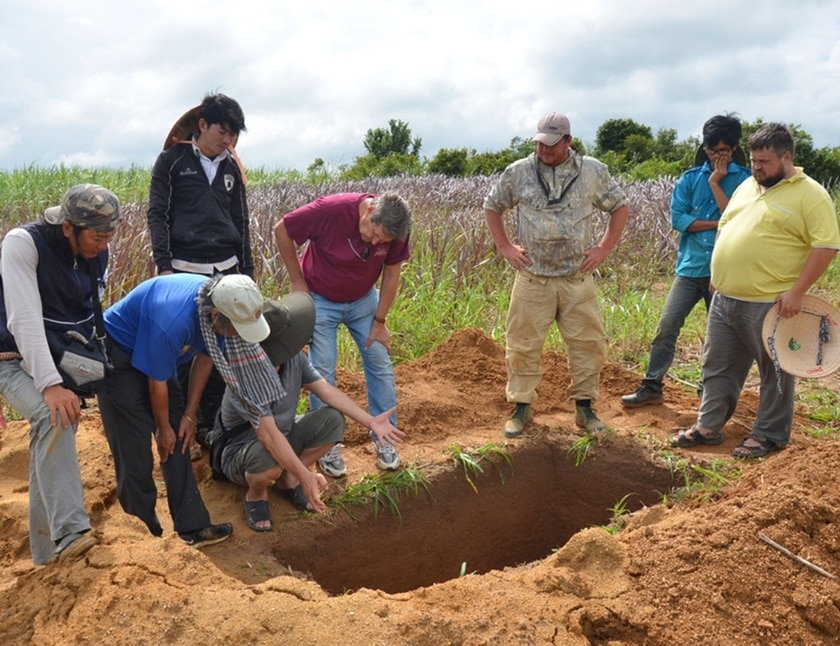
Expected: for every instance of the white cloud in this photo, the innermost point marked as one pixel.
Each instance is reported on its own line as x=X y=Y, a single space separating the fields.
x=100 y=83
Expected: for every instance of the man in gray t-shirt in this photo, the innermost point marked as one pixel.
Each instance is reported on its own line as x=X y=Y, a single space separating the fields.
x=281 y=450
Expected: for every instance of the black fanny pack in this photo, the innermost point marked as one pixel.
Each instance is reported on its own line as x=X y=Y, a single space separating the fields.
x=82 y=363
x=219 y=441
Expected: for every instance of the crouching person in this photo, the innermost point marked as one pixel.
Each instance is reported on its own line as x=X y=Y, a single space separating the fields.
x=278 y=451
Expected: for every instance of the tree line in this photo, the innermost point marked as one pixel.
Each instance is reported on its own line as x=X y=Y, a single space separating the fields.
x=629 y=148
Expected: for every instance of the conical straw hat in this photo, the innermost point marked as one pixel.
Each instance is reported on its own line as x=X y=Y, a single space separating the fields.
x=805 y=345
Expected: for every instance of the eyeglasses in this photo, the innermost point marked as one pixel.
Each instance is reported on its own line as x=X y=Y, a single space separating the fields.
x=726 y=150
x=365 y=255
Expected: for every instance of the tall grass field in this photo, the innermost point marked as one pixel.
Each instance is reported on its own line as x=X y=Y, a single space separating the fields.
x=454 y=278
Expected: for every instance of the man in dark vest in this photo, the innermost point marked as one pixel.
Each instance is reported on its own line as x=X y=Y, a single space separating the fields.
x=45 y=283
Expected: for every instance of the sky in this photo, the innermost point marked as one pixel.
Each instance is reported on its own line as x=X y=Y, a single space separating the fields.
x=99 y=83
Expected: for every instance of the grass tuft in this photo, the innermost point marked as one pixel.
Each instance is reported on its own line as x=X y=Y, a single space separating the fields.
x=383 y=489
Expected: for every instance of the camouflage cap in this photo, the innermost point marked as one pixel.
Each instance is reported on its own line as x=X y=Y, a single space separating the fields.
x=88 y=206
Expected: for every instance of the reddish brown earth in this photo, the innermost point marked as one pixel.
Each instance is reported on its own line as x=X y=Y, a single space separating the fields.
x=691 y=573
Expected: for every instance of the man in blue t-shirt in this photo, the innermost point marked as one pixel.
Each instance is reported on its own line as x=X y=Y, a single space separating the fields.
x=699 y=198
x=164 y=322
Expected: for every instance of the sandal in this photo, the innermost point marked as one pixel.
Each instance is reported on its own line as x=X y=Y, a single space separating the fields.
x=758 y=450
x=294 y=496
x=692 y=437
x=257 y=511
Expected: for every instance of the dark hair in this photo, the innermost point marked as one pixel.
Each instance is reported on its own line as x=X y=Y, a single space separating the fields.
x=221 y=109
x=772 y=135
x=203 y=299
x=393 y=213
x=722 y=127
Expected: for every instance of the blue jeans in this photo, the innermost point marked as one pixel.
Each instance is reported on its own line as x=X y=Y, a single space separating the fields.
x=357 y=317
x=685 y=293
x=56 y=498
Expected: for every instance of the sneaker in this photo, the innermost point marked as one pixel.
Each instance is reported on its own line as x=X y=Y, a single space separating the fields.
x=386 y=454
x=332 y=463
x=644 y=396
x=586 y=419
x=522 y=414
x=210 y=535
x=75 y=547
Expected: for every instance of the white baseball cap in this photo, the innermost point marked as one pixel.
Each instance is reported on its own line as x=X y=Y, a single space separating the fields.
x=238 y=297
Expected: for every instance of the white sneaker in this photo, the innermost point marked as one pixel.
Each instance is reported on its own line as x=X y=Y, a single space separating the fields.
x=386 y=454
x=332 y=463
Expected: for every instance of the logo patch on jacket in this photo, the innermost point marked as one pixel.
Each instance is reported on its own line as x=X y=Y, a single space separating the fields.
x=229 y=181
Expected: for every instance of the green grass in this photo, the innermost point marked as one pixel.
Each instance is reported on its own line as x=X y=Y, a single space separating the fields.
x=581 y=447
x=384 y=490
x=454 y=278
x=701 y=482
x=620 y=512
x=470 y=460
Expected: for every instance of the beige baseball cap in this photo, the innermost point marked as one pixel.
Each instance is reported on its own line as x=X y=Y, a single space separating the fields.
x=552 y=128
x=238 y=297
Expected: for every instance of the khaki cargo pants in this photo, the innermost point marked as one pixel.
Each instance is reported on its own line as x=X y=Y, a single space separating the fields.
x=536 y=302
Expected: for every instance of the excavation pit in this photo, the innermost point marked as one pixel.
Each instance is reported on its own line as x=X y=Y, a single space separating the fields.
x=543 y=500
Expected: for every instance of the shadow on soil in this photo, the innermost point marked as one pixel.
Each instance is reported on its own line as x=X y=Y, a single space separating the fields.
x=543 y=501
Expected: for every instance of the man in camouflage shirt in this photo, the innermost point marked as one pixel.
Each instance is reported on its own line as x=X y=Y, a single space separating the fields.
x=555 y=191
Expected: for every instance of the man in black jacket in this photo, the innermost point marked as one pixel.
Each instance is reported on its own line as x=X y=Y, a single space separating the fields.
x=198 y=212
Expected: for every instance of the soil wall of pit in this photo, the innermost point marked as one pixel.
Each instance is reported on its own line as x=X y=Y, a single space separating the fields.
x=539 y=503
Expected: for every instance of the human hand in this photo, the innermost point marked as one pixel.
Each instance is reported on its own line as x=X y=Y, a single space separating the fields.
x=593 y=258
x=790 y=303
x=64 y=406
x=186 y=432
x=313 y=483
x=517 y=256
x=379 y=332
x=166 y=441
x=384 y=430
x=719 y=166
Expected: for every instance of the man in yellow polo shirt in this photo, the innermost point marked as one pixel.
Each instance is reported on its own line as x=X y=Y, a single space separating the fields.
x=776 y=237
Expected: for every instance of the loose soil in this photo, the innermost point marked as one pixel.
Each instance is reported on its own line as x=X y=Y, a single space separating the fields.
x=517 y=554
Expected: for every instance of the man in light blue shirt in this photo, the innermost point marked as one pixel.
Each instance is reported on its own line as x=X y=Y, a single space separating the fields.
x=699 y=198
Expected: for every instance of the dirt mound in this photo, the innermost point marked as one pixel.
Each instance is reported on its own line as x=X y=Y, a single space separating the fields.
x=693 y=573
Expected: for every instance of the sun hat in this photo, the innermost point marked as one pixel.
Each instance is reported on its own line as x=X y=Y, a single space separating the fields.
x=552 y=128
x=807 y=344
x=89 y=206
x=238 y=297
x=291 y=320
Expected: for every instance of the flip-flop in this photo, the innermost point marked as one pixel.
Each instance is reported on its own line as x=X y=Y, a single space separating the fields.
x=759 y=450
x=294 y=496
x=257 y=511
x=692 y=437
